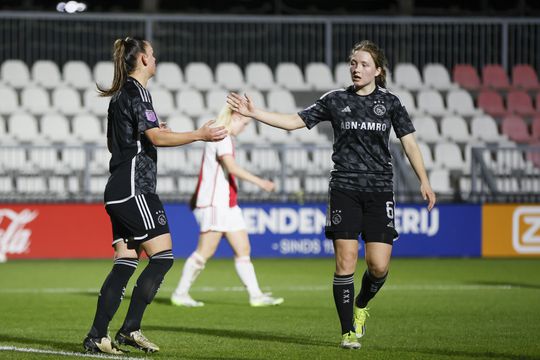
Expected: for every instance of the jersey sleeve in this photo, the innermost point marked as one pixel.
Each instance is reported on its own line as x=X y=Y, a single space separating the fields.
x=224 y=147
x=316 y=113
x=144 y=114
x=401 y=122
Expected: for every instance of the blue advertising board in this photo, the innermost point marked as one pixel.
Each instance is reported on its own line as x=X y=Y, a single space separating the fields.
x=293 y=230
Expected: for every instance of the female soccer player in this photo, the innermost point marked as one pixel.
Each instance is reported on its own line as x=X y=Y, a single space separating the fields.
x=218 y=214
x=361 y=198
x=138 y=220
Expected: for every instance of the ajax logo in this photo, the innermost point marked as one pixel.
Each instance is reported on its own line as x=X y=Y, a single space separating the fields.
x=526 y=230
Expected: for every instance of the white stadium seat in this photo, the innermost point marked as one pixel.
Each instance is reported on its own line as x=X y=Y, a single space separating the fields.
x=104 y=73
x=15 y=73
x=162 y=102
x=440 y=181
x=431 y=102
x=169 y=75
x=426 y=129
x=9 y=103
x=436 y=76
x=77 y=74
x=282 y=101
x=87 y=128
x=319 y=77
x=97 y=105
x=24 y=128
x=455 y=128
x=229 y=76
x=67 y=101
x=342 y=74
x=199 y=76
x=180 y=123
x=259 y=76
x=45 y=73
x=407 y=76
x=190 y=102
x=215 y=100
x=35 y=100
x=289 y=76
x=448 y=156
x=484 y=128
x=460 y=102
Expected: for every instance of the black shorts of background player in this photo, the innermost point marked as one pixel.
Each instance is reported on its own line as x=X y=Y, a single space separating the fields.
x=138 y=220
x=361 y=188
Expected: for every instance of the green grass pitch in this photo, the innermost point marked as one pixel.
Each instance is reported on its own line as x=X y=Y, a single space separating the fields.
x=428 y=309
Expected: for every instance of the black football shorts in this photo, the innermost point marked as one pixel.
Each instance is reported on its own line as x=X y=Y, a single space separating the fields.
x=353 y=213
x=138 y=219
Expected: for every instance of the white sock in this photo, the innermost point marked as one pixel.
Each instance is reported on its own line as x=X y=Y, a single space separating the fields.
x=246 y=272
x=192 y=268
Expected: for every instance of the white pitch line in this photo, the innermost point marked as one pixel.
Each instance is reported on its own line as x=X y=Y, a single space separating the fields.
x=66 y=353
x=389 y=287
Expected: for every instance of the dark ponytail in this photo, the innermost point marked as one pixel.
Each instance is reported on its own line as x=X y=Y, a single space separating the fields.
x=125 y=53
x=378 y=58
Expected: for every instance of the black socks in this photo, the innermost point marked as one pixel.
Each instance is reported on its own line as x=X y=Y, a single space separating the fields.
x=370 y=286
x=344 y=297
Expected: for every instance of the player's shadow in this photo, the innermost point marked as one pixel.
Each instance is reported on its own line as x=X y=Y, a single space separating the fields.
x=240 y=334
x=460 y=353
x=61 y=345
x=511 y=284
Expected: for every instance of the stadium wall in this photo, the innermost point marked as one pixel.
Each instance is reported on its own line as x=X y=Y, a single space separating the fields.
x=51 y=231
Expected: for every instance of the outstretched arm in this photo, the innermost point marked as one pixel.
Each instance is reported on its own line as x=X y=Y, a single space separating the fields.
x=415 y=157
x=228 y=162
x=245 y=106
x=159 y=137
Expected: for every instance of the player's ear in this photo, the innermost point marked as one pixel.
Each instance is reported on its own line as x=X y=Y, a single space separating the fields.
x=144 y=59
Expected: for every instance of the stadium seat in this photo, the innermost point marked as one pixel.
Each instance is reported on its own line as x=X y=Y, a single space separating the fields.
x=494 y=76
x=267 y=159
x=310 y=136
x=9 y=103
x=66 y=101
x=35 y=100
x=169 y=76
x=460 y=102
x=55 y=128
x=492 y=103
x=229 y=76
x=46 y=159
x=436 y=77
x=535 y=127
x=342 y=74
x=77 y=74
x=97 y=105
x=407 y=100
x=99 y=164
x=426 y=129
x=190 y=102
x=484 y=128
x=447 y=155
x=282 y=101
x=187 y=184
x=520 y=103
x=509 y=158
x=15 y=73
x=316 y=185
x=45 y=73
x=31 y=184
x=75 y=158
x=171 y=160
x=87 y=128
x=57 y=185
x=440 y=181
x=256 y=96
x=507 y=185
x=487 y=157
x=426 y=155
x=166 y=185
x=104 y=73
x=259 y=76
x=6 y=185
x=525 y=77
x=407 y=76
x=289 y=76
x=163 y=102
x=431 y=103
x=275 y=135
x=319 y=77
x=455 y=128
x=97 y=184
x=297 y=160
x=24 y=128
x=193 y=160
x=180 y=123
x=199 y=76
x=12 y=159
x=250 y=134
x=466 y=76
x=322 y=161
x=216 y=99
x=291 y=185
x=516 y=129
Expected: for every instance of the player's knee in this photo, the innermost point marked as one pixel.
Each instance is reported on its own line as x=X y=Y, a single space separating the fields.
x=163 y=261
x=378 y=270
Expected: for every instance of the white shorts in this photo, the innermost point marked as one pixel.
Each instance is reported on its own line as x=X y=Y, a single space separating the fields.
x=223 y=219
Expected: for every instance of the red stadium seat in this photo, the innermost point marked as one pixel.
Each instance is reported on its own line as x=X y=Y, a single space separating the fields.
x=495 y=77
x=519 y=102
x=516 y=129
x=466 y=76
x=536 y=128
x=524 y=77
x=492 y=103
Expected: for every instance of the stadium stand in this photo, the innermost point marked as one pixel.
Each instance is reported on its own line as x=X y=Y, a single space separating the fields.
x=524 y=77
x=407 y=76
x=289 y=76
x=229 y=76
x=199 y=76
x=437 y=77
x=319 y=77
x=466 y=76
x=494 y=76
x=169 y=76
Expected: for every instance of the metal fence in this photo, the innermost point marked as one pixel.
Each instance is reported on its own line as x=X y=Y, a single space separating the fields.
x=271 y=39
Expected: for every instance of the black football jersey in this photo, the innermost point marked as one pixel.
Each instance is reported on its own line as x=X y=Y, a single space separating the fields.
x=361 y=124
x=133 y=163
